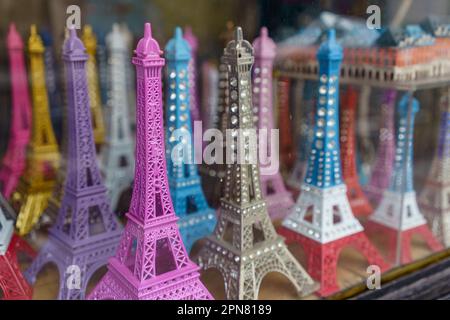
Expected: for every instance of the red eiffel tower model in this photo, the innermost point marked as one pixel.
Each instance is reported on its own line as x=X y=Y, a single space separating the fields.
x=284 y=123
x=151 y=262
x=358 y=202
x=12 y=282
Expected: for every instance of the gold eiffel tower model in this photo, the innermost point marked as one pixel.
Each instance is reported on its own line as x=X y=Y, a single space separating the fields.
x=244 y=246
x=98 y=124
x=35 y=186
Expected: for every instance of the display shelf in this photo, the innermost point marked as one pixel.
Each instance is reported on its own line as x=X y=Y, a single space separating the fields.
x=413 y=85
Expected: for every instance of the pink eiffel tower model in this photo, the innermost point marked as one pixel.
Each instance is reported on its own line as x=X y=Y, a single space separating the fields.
x=384 y=162
x=14 y=160
x=86 y=232
x=151 y=262
x=279 y=201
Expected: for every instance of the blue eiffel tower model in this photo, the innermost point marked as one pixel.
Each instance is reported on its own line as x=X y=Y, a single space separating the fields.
x=197 y=219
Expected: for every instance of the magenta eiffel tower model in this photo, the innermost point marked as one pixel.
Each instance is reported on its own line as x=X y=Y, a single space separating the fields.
x=14 y=160
x=86 y=232
x=151 y=262
x=384 y=162
x=278 y=200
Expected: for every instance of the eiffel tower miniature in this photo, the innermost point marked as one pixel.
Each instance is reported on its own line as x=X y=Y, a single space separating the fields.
x=210 y=90
x=118 y=151
x=14 y=161
x=278 y=200
x=197 y=219
x=358 y=201
x=434 y=199
x=151 y=261
x=86 y=232
x=54 y=202
x=102 y=67
x=244 y=246
x=213 y=174
x=305 y=136
x=131 y=90
x=322 y=221
x=90 y=42
x=36 y=184
x=398 y=217
x=12 y=283
x=51 y=80
x=192 y=74
x=284 y=119
x=382 y=170
x=435 y=196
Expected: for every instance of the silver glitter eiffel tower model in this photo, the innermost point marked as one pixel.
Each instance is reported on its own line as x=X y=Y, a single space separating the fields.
x=118 y=151
x=244 y=246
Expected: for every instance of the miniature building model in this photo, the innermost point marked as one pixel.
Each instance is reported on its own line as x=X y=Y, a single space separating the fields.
x=151 y=261
x=86 y=232
x=197 y=219
x=244 y=246
x=322 y=220
x=36 y=184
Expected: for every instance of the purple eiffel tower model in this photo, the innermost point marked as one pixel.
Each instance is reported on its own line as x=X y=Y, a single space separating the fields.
x=151 y=262
x=279 y=200
x=384 y=162
x=86 y=232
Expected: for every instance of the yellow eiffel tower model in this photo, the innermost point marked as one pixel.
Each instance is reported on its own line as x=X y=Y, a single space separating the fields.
x=35 y=186
x=98 y=124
